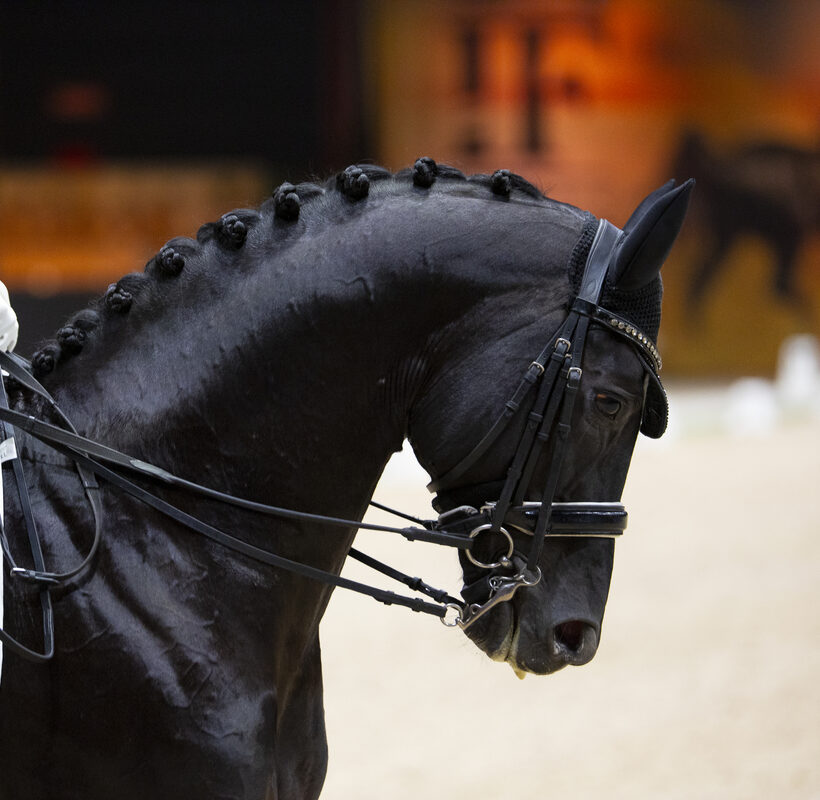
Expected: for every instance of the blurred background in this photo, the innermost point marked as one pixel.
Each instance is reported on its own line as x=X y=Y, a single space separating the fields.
x=124 y=124
x=121 y=127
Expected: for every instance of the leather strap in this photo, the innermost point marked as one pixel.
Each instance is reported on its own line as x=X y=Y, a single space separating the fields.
x=74 y=445
x=36 y=555
x=622 y=327
x=239 y=546
x=531 y=377
x=601 y=254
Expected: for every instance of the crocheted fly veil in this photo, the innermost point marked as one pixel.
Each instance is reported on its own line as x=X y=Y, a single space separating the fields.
x=641 y=308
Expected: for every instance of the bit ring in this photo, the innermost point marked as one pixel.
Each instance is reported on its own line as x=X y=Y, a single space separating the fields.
x=457 y=620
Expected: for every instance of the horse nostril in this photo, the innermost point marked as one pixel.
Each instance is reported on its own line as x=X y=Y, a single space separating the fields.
x=575 y=641
x=570 y=634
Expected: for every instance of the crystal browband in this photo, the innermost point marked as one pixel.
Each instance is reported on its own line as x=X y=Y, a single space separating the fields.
x=623 y=327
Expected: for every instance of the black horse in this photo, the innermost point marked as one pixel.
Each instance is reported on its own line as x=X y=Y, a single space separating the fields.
x=769 y=191
x=282 y=356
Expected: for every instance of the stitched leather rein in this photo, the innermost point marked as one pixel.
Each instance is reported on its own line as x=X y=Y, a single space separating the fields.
x=554 y=376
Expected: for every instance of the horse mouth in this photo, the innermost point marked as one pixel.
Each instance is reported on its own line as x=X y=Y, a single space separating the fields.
x=507 y=650
x=506 y=647
x=532 y=648
x=518 y=666
x=520 y=671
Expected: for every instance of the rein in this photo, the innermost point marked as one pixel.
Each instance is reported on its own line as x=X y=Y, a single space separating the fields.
x=555 y=376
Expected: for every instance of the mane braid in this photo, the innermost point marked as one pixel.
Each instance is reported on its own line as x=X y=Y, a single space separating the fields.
x=286 y=202
x=285 y=207
x=231 y=230
x=502 y=182
x=45 y=360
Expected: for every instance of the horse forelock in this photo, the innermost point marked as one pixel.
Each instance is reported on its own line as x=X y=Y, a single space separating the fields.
x=234 y=243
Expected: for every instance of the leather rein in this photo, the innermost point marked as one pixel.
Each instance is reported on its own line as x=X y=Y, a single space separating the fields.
x=554 y=376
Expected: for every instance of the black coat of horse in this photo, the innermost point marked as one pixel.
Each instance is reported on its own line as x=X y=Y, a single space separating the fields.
x=283 y=356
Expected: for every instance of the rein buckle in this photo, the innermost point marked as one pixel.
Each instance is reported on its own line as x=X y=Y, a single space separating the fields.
x=34 y=576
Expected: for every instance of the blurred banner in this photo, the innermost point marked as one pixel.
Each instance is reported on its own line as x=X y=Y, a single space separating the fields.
x=599 y=102
x=124 y=124
x=596 y=101
x=65 y=234
x=82 y=229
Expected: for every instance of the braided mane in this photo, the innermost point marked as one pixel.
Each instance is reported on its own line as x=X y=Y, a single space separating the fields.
x=281 y=212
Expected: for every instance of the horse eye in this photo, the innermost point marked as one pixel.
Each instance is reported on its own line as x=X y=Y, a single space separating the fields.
x=607 y=404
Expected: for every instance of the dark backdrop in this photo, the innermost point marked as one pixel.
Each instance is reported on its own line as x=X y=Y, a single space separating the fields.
x=274 y=81
x=85 y=82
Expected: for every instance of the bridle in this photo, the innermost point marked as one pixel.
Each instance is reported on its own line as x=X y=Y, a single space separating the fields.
x=556 y=373
x=554 y=377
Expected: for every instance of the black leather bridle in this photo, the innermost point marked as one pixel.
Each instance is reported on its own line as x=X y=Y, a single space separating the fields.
x=556 y=373
x=554 y=376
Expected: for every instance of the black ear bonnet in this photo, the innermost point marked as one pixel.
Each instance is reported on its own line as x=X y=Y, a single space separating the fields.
x=642 y=308
x=632 y=289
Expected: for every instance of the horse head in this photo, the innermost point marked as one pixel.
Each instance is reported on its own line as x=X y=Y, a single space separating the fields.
x=280 y=358
x=558 y=620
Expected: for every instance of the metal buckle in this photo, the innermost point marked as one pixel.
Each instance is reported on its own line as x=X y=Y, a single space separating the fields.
x=33 y=576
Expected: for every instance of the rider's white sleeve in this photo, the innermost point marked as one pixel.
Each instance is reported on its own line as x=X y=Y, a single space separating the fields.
x=8 y=338
x=8 y=321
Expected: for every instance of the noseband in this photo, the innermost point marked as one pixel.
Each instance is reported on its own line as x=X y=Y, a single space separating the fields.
x=554 y=376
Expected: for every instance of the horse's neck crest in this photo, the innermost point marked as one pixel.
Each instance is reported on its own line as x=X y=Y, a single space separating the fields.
x=282 y=212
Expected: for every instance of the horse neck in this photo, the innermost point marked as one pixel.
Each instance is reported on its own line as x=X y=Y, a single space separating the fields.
x=295 y=394
x=287 y=370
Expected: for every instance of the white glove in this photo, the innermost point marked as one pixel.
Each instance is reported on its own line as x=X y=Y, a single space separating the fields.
x=8 y=321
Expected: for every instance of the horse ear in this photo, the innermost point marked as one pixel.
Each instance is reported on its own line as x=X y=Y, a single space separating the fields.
x=647 y=202
x=650 y=233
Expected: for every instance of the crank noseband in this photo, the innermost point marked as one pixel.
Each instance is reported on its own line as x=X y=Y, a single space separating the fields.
x=597 y=520
x=582 y=520
x=590 y=520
